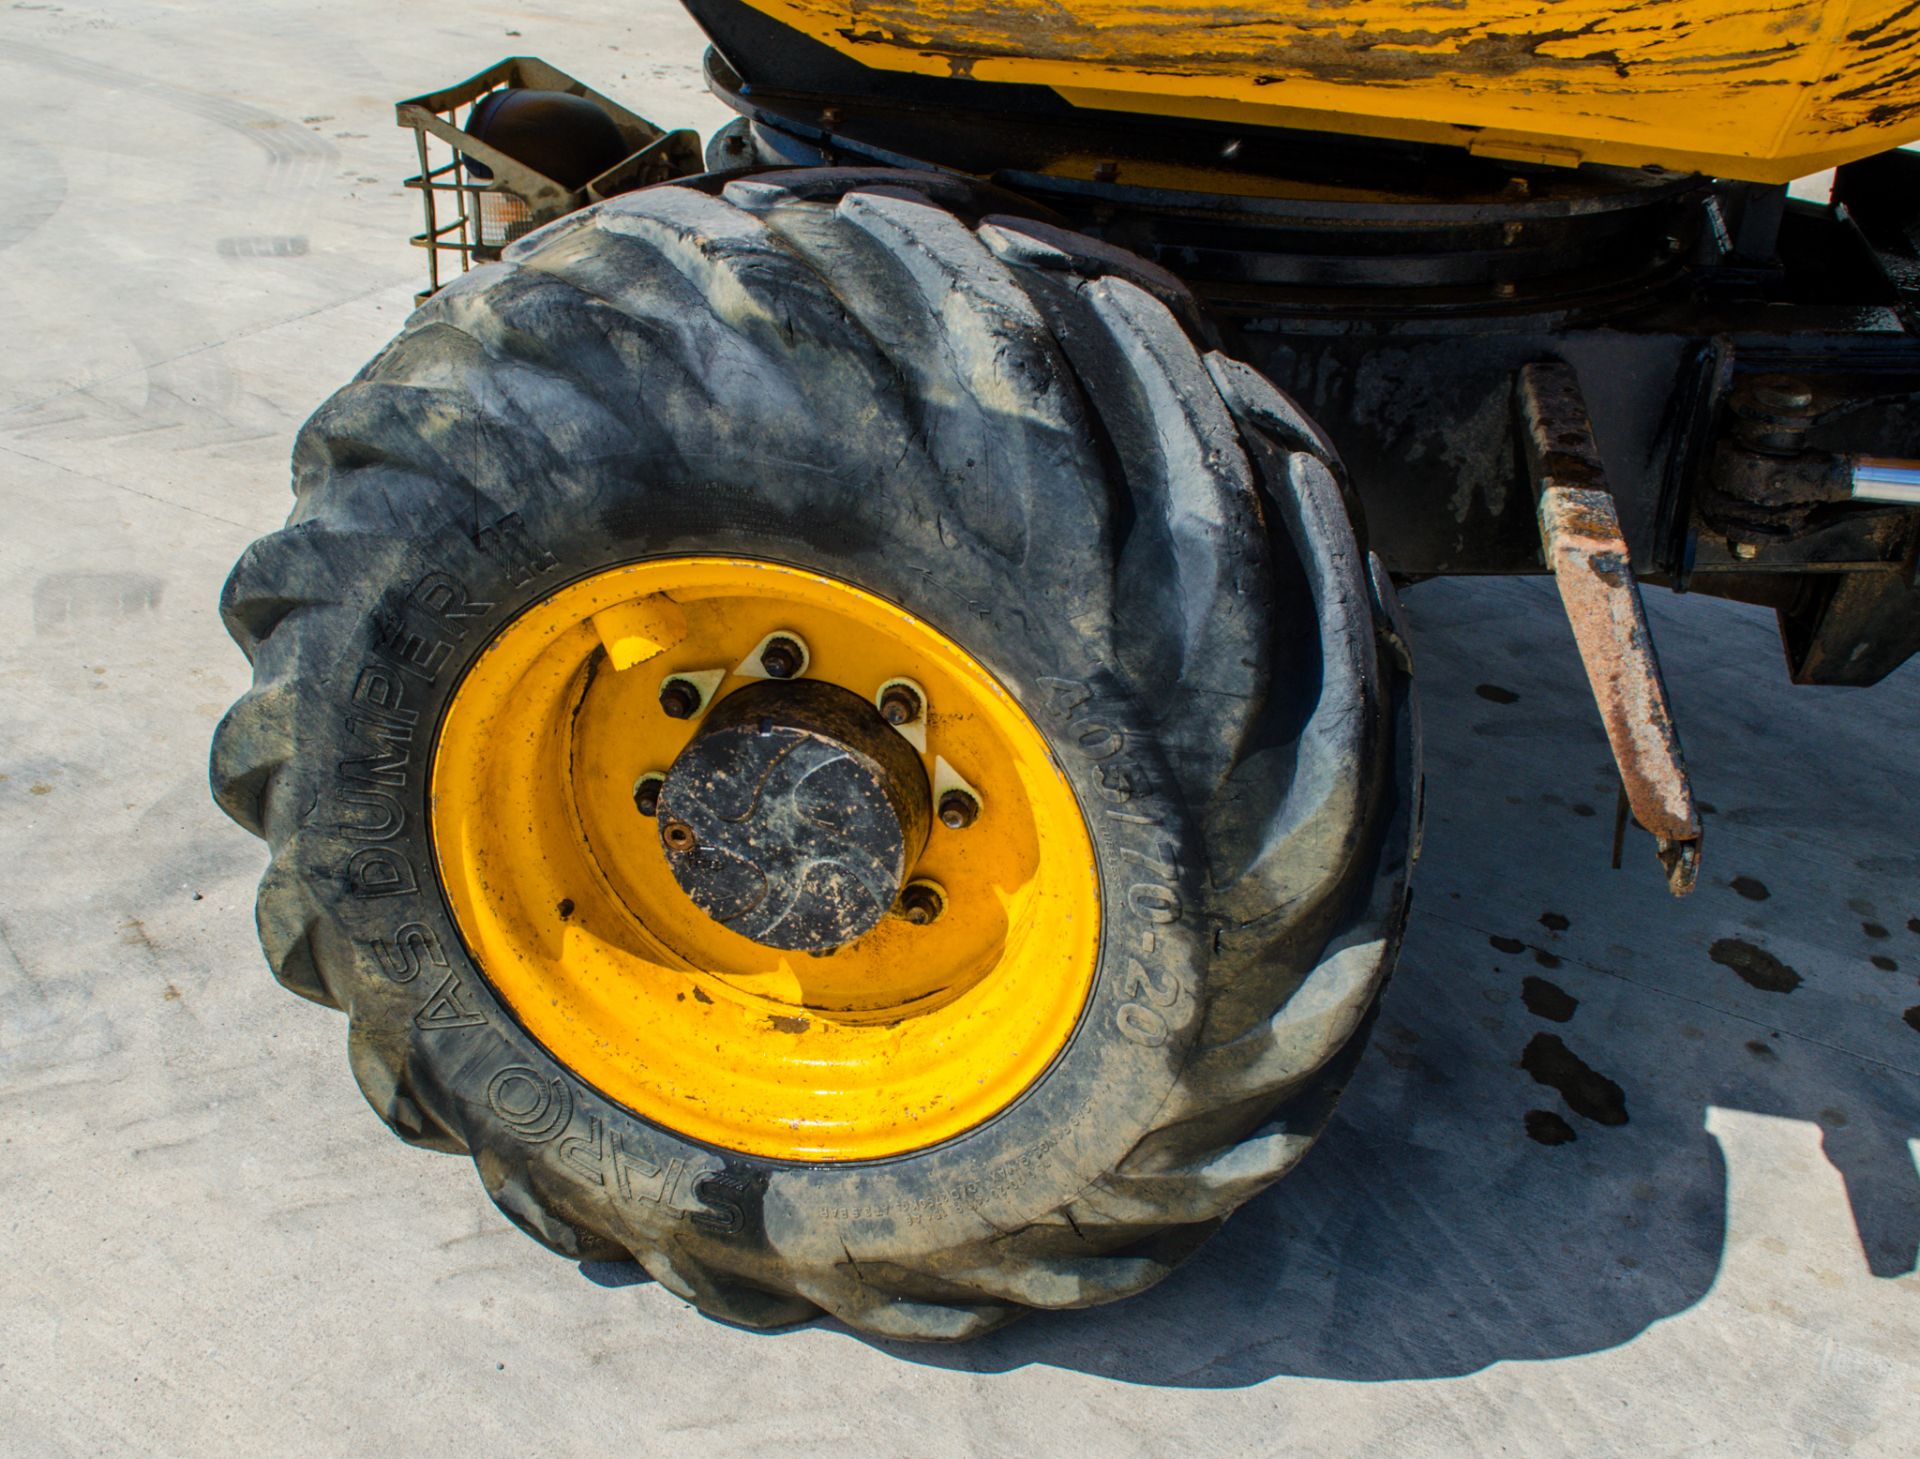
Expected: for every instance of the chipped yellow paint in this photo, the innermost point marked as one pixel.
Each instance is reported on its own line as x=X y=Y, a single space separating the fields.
x=562 y=893
x=1765 y=90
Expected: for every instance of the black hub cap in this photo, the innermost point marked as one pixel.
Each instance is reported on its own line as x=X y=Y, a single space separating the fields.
x=794 y=815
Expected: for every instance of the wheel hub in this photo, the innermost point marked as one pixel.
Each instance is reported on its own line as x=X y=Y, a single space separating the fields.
x=794 y=814
x=666 y=785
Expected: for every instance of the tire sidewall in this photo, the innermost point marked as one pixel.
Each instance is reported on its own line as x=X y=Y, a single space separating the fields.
x=414 y=990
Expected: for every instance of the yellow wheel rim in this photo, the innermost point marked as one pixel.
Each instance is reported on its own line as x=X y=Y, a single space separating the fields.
x=563 y=893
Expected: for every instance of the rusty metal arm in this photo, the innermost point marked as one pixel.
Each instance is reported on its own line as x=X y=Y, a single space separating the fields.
x=1580 y=536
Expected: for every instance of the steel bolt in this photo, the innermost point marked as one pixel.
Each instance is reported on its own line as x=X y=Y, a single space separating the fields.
x=782 y=658
x=900 y=704
x=1787 y=395
x=679 y=836
x=680 y=698
x=958 y=810
x=646 y=795
x=920 y=904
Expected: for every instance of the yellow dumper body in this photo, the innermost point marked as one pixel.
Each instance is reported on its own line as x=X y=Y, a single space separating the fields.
x=1762 y=90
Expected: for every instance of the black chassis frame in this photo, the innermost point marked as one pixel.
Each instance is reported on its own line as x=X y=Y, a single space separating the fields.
x=1734 y=348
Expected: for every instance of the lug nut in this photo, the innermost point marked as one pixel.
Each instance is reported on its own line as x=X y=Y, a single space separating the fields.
x=900 y=704
x=958 y=810
x=680 y=698
x=679 y=836
x=646 y=795
x=782 y=657
x=922 y=903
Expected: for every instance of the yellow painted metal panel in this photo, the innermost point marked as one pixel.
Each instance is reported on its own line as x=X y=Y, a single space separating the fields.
x=1760 y=89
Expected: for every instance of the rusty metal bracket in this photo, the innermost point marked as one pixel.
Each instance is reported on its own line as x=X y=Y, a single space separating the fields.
x=1580 y=536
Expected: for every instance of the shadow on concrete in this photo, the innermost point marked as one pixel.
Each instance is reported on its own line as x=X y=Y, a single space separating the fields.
x=1520 y=1169
x=1428 y=1236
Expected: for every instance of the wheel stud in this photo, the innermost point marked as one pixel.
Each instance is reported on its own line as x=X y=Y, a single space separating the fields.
x=901 y=704
x=958 y=810
x=679 y=836
x=782 y=657
x=646 y=794
x=922 y=902
x=679 y=698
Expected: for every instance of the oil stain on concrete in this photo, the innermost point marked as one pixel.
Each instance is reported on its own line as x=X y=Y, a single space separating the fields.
x=1757 y=967
x=1547 y=1000
x=1588 y=1092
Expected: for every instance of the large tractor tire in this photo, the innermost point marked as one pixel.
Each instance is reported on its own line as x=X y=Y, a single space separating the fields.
x=834 y=749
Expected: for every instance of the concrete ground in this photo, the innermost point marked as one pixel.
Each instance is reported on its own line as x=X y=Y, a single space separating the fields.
x=209 y=1246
